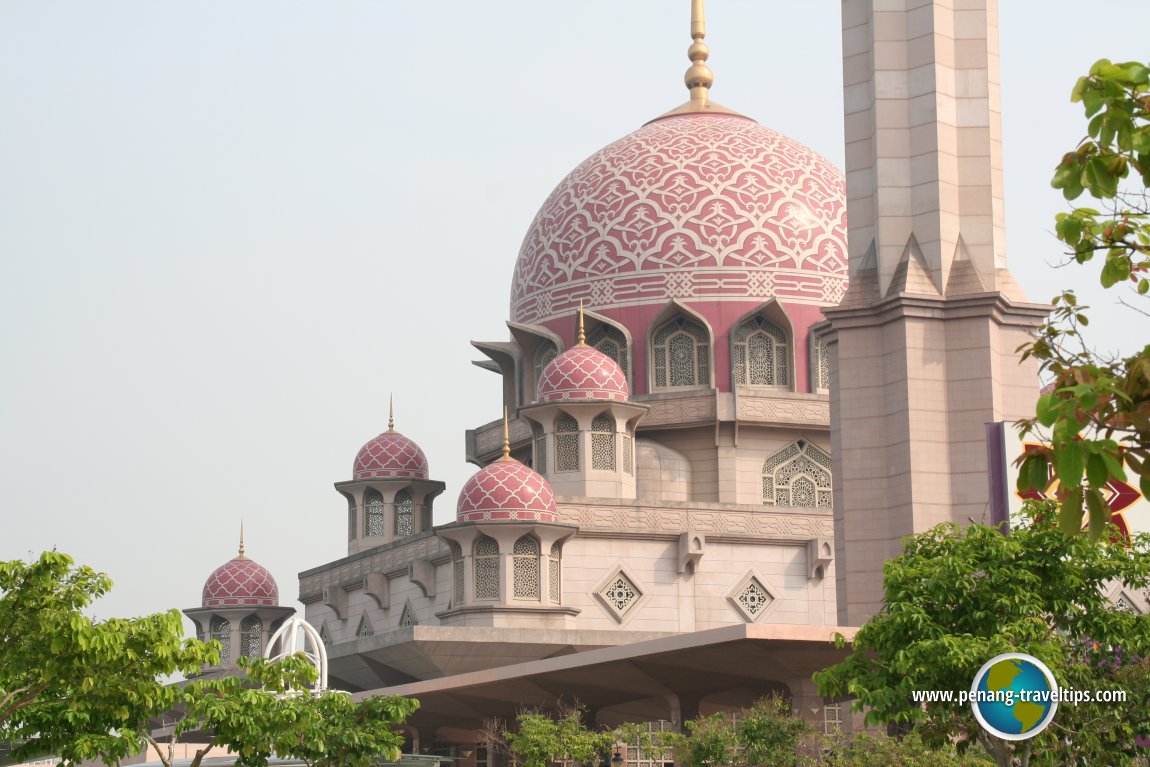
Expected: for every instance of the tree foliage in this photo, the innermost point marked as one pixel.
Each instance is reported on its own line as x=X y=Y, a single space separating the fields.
x=541 y=739
x=270 y=709
x=956 y=598
x=1097 y=412
x=68 y=681
x=83 y=689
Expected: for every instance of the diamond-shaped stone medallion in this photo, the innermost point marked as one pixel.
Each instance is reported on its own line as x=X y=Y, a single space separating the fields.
x=752 y=597
x=621 y=593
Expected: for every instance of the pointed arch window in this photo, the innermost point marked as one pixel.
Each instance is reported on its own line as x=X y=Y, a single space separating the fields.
x=603 y=442
x=609 y=340
x=251 y=637
x=373 y=513
x=760 y=355
x=820 y=366
x=798 y=475
x=222 y=633
x=681 y=351
x=544 y=353
x=365 y=628
x=566 y=443
x=486 y=556
x=351 y=519
x=404 y=513
x=525 y=568
x=554 y=560
x=457 y=573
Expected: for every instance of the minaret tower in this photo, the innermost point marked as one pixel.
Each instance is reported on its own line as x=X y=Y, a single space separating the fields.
x=239 y=608
x=923 y=343
x=389 y=496
x=584 y=424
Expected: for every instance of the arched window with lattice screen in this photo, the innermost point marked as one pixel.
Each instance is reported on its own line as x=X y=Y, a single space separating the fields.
x=222 y=633
x=681 y=354
x=603 y=442
x=404 y=513
x=554 y=574
x=566 y=443
x=544 y=353
x=525 y=568
x=760 y=355
x=373 y=523
x=486 y=556
x=251 y=637
x=609 y=340
x=820 y=366
x=798 y=475
x=457 y=573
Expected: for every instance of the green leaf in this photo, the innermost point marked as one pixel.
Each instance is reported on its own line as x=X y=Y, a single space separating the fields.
x=1070 y=518
x=1099 y=513
x=1047 y=409
x=1097 y=471
x=1069 y=463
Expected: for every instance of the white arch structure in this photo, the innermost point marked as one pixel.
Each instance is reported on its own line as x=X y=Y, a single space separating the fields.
x=297 y=635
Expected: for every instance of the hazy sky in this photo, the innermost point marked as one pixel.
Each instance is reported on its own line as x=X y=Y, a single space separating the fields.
x=229 y=229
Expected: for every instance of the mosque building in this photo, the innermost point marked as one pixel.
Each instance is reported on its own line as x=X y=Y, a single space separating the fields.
x=720 y=418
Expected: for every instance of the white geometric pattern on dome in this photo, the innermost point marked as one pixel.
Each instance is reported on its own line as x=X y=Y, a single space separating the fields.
x=390 y=455
x=582 y=373
x=506 y=490
x=697 y=206
x=798 y=475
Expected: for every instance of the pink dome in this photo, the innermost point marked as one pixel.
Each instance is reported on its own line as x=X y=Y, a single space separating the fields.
x=703 y=208
x=509 y=491
x=390 y=455
x=241 y=582
x=583 y=373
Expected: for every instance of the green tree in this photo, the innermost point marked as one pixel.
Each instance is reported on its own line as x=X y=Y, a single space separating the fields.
x=540 y=739
x=1097 y=413
x=868 y=750
x=767 y=733
x=68 y=681
x=82 y=689
x=270 y=709
x=956 y=598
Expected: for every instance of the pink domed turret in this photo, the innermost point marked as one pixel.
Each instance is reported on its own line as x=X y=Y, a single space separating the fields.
x=390 y=456
x=506 y=490
x=241 y=582
x=583 y=373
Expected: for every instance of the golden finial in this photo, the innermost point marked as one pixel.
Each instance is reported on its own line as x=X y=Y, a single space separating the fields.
x=699 y=77
x=582 y=339
x=390 y=413
x=241 y=554
x=506 y=439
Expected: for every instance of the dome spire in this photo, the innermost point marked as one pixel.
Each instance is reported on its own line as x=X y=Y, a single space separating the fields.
x=582 y=337
x=241 y=554
x=699 y=77
x=391 y=414
x=506 y=439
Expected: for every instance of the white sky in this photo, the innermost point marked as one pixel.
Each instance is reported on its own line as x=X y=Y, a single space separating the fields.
x=229 y=229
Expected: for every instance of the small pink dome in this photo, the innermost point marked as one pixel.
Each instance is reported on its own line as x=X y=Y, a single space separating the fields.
x=390 y=455
x=509 y=491
x=241 y=582
x=583 y=373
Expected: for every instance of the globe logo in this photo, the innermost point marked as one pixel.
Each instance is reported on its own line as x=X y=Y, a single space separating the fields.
x=1014 y=696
